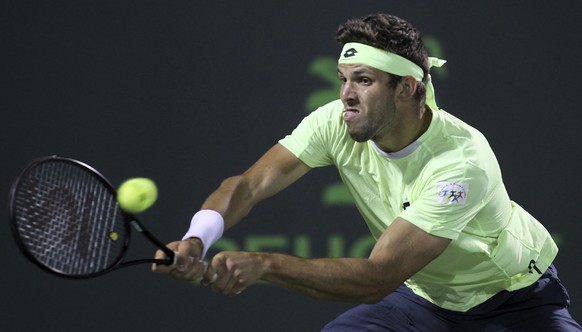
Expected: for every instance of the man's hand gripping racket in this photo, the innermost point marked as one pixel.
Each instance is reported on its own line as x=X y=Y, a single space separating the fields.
x=186 y=265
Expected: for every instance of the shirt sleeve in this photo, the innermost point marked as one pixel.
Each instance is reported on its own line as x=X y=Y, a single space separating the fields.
x=450 y=199
x=312 y=140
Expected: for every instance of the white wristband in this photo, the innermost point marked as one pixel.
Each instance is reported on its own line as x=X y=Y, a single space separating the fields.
x=208 y=226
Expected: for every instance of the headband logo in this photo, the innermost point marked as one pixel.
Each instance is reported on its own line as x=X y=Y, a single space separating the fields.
x=349 y=53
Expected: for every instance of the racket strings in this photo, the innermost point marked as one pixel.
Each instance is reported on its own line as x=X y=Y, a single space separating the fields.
x=68 y=219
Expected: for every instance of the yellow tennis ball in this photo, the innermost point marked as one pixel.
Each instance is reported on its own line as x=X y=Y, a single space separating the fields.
x=137 y=195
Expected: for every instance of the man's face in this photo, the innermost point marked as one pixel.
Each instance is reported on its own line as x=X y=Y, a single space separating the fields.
x=369 y=109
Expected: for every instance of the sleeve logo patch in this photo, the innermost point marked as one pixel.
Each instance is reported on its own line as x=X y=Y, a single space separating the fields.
x=452 y=193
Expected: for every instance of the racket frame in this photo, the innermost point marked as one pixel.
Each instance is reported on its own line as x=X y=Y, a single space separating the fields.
x=130 y=221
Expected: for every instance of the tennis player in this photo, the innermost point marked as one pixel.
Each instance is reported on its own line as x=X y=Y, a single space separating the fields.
x=453 y=252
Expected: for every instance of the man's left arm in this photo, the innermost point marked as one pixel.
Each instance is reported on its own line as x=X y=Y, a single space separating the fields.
x=401 y=251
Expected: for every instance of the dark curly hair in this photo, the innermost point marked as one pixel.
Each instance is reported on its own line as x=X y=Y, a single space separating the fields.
x=390 y=33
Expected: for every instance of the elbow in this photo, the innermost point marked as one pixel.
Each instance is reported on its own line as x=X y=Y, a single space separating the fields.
x=374 y=297
x=376 y=293
x=379 y=284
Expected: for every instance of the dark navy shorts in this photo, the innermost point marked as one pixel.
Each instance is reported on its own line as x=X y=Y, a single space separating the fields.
x=543 y=306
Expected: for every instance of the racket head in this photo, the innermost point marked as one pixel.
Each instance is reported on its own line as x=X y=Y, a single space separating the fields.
x=65 y=218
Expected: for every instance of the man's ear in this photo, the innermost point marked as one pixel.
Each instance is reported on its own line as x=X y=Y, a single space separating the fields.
x=408 y=87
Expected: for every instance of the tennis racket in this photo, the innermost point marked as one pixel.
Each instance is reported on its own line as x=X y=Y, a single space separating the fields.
x=65 y=218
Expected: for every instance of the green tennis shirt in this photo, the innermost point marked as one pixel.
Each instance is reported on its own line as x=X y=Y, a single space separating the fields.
x=449 y=184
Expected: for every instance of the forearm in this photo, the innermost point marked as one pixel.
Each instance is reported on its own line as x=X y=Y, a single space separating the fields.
x=400 y=252
x=237 y=195
x=336 y=279
x=233 y=200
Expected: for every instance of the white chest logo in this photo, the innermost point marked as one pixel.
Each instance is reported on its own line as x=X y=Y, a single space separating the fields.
x=452 y=193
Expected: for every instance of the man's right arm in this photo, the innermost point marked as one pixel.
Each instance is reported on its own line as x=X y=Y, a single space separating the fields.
x=237 y=195
x=233 y=200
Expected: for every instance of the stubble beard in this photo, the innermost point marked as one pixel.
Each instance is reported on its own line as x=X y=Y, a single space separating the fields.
x=363 y=134
x=373 y=128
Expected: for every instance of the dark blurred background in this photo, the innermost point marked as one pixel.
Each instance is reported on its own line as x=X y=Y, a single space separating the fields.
x=189 y=92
